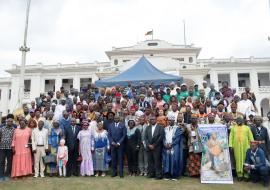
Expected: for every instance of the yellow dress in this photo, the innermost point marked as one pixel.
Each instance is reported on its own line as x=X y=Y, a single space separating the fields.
x=240 y=137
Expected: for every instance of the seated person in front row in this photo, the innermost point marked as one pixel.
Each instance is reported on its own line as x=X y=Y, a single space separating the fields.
x=256 y=164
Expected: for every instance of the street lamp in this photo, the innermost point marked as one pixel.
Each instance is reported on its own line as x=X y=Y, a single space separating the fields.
x=24 y=49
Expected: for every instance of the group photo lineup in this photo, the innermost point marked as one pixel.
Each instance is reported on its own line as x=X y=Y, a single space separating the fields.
x=154 y=115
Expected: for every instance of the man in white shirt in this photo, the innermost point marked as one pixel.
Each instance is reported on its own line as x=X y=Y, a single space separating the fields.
x=59 y=109
x=206 y=88
x=39 y=147
x=245 y=106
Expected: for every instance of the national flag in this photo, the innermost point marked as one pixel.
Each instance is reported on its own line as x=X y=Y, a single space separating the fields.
x=149 y=33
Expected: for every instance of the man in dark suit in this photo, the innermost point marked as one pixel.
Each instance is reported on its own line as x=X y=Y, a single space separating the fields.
x=261 y=135
x=71 y=132
x=154 y=135
x=117 y=134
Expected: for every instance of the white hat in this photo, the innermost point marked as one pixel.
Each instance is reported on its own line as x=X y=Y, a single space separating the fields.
x=171 y=117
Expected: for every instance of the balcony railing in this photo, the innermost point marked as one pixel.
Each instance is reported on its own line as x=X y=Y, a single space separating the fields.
x=264 y=88
x=26 y=95
x=241 y=89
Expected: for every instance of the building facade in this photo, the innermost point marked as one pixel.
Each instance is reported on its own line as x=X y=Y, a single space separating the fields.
x=170 y=58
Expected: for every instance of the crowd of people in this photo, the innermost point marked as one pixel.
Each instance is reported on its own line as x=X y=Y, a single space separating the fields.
x=151 y=129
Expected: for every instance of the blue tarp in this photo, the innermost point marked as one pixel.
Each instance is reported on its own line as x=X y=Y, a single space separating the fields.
x=142 y=71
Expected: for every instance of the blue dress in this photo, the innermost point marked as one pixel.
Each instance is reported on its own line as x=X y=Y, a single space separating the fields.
x=53 y=140
x=101 y=147
x=172 y=162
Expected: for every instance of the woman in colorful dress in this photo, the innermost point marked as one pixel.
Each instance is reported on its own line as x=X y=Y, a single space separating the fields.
x=85 y=137
x=54 y=138
x=239 y=143
x=100 y=146
x=162 y=119
x=194 y=158
x=22 y=158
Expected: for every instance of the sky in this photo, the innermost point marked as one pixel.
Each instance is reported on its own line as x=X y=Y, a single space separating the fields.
x=69 y=31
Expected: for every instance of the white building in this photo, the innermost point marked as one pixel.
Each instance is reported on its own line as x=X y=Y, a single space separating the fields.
x=170 y=58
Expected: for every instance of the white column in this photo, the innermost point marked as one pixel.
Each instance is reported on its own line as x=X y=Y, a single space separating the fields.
x=35 y=88
x=254 y=86
x=234 y=79
x=42 y=84
x=76 y=82
x=14 y=100
x=4 y=100
x=58 y=83
x=214 y=78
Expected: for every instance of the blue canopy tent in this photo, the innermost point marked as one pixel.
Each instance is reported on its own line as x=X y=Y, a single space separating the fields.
x=142 y=71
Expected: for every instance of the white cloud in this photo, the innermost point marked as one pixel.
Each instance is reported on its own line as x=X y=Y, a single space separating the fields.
x=81 y=30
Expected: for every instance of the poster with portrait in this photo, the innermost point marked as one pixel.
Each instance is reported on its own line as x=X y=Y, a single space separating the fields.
x=215 y=163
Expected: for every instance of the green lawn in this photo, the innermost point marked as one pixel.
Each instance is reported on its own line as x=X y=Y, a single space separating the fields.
x=127 y=183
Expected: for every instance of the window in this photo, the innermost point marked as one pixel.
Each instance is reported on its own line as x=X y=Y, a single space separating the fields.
x=115 y=62
x=27 y=85
x=65 y=81
x=181 y=59
x=243 y=79
x=264 y=79
x=9 y=94
x=152 y=44
x=49 y=85
x=190 y=59
x=84 y=82
x=126 y=60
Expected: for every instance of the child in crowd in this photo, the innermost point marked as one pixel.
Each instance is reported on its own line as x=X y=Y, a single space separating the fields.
x=62 y=158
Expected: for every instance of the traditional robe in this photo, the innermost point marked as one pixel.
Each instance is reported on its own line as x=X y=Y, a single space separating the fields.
x=172 y=163
x=240 y=137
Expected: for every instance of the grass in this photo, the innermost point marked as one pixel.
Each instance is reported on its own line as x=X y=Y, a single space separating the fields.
x=127 y=183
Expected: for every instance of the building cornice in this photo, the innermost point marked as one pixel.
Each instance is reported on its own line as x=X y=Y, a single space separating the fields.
x=152 y=51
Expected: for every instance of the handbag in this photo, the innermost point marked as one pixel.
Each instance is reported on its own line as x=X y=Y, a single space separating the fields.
x=48 y=159
x=197 y=147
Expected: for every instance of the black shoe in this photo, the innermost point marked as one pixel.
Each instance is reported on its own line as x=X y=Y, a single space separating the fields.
x=246 y=180
x=158 y=178
x=266 y=184
x=239 y=179
x=113 y=175
x=151 y=176
x=121 y=176
x=255 y=180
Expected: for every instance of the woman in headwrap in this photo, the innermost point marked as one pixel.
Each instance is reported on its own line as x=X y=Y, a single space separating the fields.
x=85 y=137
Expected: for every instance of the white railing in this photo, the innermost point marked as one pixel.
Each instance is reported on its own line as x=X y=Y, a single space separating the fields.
x=241 y=89
x=26 y=95
x=264 y=88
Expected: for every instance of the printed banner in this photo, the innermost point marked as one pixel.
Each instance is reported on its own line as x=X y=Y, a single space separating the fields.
x=215 y=163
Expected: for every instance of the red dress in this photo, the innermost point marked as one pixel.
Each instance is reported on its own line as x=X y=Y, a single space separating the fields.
x=22 y=159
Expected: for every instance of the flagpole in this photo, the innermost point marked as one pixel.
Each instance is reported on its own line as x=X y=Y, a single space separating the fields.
x=24 y=49
x=185 y=42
